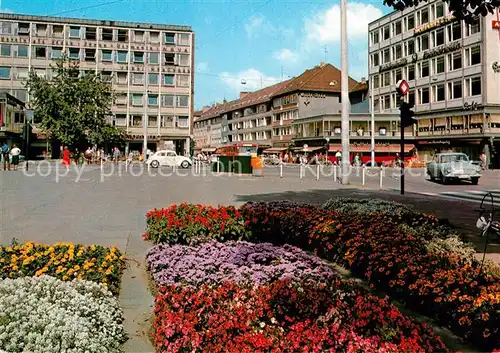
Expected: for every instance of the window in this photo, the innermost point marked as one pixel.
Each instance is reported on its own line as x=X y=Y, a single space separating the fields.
x=386 y=32
x=387 y=56
x=153 y=58
x=123 y=35
x=183 y=39
x=182 y=121
x=22 y=72
x=167 y=100
x=90 y=33
x=20 y=94
x=397 y=28
x=169 y=59
x=153 y=99
x=74 y=53
x=40 y=52
x=473 y=86
x=375 y=60
x=122 y=57
x=439 y=93
x=23 y=29
x=439 y=37
x=439 y=65
x=398 y=52
x=121 y=120
x=122 y=78
x=424 y=42
x=74 y=32
x=138 y=57
x=439 y=10
x=183 y=80
x=22 y=51
x=168 y=80
x=410 y=22
x=455 y=31
x=375 y=81
x=375 y=37
x=136 y=99
x=4 y=72
x=455 y=61
x=5 y=50
x=410 y=47
x=424 y=69
x=376 y=105
x=170 y=38
x=387 y=79
x=6 y=28
x=183 y=59
x=182 y=101
x=139 y=36
x=154 y=37
x=56 y=52
x=387 y=102
x=89 y=54
x=424 y=95
x=411 y=72
x=107 y=34
x=411 y=97
x=398 y=75
x=424 y=16
x=137 y=78
x=455 y=90
x=153 y=79
x=473 y=55
x=107 y=55
x=58 y=31
x=474 y=27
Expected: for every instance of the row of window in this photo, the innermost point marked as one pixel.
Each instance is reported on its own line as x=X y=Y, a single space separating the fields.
x=470 y=87
x=118 y=56
x=166 y=100
x=93 y=33
x=426 y=68
x=166 y=121
x=436 y=38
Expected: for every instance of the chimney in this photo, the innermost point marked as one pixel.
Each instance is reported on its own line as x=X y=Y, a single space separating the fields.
x=321 y=64
x=243 y=94
x=363 y=80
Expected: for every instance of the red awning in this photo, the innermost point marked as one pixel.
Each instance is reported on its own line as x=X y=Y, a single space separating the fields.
x=392 y=148
x=274 y=150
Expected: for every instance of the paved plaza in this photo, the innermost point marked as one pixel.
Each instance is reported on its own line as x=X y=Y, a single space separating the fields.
x=108 y=207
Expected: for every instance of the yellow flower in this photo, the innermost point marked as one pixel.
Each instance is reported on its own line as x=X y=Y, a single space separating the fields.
x=77 y=267
x=65 y=278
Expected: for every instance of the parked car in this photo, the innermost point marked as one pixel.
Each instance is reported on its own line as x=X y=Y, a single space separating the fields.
x=168 y=158
x=453 y=166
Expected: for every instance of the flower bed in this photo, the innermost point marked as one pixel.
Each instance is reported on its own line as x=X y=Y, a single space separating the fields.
x=284 y=317
x=44 y=314
x=64 y=261
x=185 y=223
x=241 y=262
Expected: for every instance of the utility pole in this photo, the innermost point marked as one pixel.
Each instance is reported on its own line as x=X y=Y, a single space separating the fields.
x=344 y=93
x=146 y=102
x=282 y=73
x=372 y=109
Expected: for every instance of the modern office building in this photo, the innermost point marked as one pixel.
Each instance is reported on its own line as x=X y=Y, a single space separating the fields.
x=151 y=67
x=453 y=72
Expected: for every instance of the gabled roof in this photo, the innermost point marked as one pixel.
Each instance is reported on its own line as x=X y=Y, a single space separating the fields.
x=256 y=97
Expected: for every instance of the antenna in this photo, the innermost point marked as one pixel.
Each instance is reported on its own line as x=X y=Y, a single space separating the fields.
x=326 y=54
x=282 y=73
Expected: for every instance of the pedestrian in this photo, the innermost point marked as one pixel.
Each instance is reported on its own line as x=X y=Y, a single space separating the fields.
x=88 y=155
x=5 y=156
x=66 y=161
x=76 y=156
x=102 y=155
x=338 y=157
x=484 y=164
x=15 y=152
x=356 y=160
x=130 y=158
x=116 y=154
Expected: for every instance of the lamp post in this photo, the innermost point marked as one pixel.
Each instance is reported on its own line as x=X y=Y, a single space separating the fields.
x=372 y=108
x=344 y=93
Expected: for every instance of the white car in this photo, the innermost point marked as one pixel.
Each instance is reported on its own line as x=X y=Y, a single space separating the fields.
x=453 y=166
x=168 y=158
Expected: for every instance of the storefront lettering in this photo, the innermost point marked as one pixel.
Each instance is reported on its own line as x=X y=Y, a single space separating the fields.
x=496 y=67
x=393 y=65
x=313 y=95
x=442 y=50
x=436 y=24
x=471 y=106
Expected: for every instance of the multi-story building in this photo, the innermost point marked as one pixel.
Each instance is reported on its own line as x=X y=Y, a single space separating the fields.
x=207 y=129
x=151 y=67
x=452 y=70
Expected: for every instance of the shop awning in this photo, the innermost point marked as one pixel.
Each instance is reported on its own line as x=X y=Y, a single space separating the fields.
x=424 y=122
x=440 y=122
x=208 y=150
x=457 y=120
x=495 y=118
x=392 y=148
x=476 y=119
x=308 y=149
x=274 y=150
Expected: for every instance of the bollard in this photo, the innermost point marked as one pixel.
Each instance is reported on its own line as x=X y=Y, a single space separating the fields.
x=363 y=174
x=381 y=176
x=300 y=171
x=317 y=171
x=101 y=165
x=334 y=173
x=218 y=166
x=281 y=170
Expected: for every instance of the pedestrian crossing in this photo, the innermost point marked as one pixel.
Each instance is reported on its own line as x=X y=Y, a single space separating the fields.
x=472 y=196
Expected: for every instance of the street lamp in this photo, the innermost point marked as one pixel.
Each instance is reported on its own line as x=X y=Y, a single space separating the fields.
x=145 y=124
x=344 y=93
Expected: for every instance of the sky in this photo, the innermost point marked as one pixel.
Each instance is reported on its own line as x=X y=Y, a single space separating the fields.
x=240 y=45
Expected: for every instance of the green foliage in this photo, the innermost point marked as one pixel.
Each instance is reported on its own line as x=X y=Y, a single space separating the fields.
x=73 y=107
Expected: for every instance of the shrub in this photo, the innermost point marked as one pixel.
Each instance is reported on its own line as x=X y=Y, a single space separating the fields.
x=284 y=317
x=44 y=314
x=65 y=261
x=242 y=262
x=185 y=223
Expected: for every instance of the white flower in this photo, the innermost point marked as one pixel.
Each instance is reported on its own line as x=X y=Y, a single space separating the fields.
x=44 y=314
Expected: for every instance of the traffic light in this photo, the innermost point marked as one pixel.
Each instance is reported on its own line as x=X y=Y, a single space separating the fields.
x=407 y=114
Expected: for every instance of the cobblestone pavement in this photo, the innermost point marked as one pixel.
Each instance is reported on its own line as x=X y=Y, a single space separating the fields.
x=108 y=206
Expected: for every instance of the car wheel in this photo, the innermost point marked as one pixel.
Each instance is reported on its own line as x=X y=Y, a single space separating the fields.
x=155 y=164
x=444 y=180
x=474 y=181
x=185 y=164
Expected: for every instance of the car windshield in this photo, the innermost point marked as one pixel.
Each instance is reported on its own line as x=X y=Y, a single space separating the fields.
x=451 y=158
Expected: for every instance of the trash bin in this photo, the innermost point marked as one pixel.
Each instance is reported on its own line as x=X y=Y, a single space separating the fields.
x=257 y=166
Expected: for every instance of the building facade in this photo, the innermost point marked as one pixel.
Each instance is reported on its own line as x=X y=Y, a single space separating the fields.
x=207 y=129
x=150 y=66
x=453 y=72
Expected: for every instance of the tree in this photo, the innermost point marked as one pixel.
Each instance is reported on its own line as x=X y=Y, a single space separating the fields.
x=73 y=108
x=466 y=10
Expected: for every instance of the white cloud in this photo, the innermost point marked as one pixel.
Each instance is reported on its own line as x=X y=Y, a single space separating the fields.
x=202 y=66
x=257 y=25
x=248 y=80
x=286 y=55
x=254 y=26
x=325 y=26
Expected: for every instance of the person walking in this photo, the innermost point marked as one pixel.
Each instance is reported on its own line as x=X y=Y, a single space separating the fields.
x=338 y=157
x=66 y=161
x=14 y=153
x=116 y=154
x=5 y=156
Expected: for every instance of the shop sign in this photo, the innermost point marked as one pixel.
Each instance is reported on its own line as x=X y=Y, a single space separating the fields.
x=495 y=25
x=313 y=95
x=437 y=142
x=471 y=106
x=433 y=25
x=496 y=67
x=442 y=50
